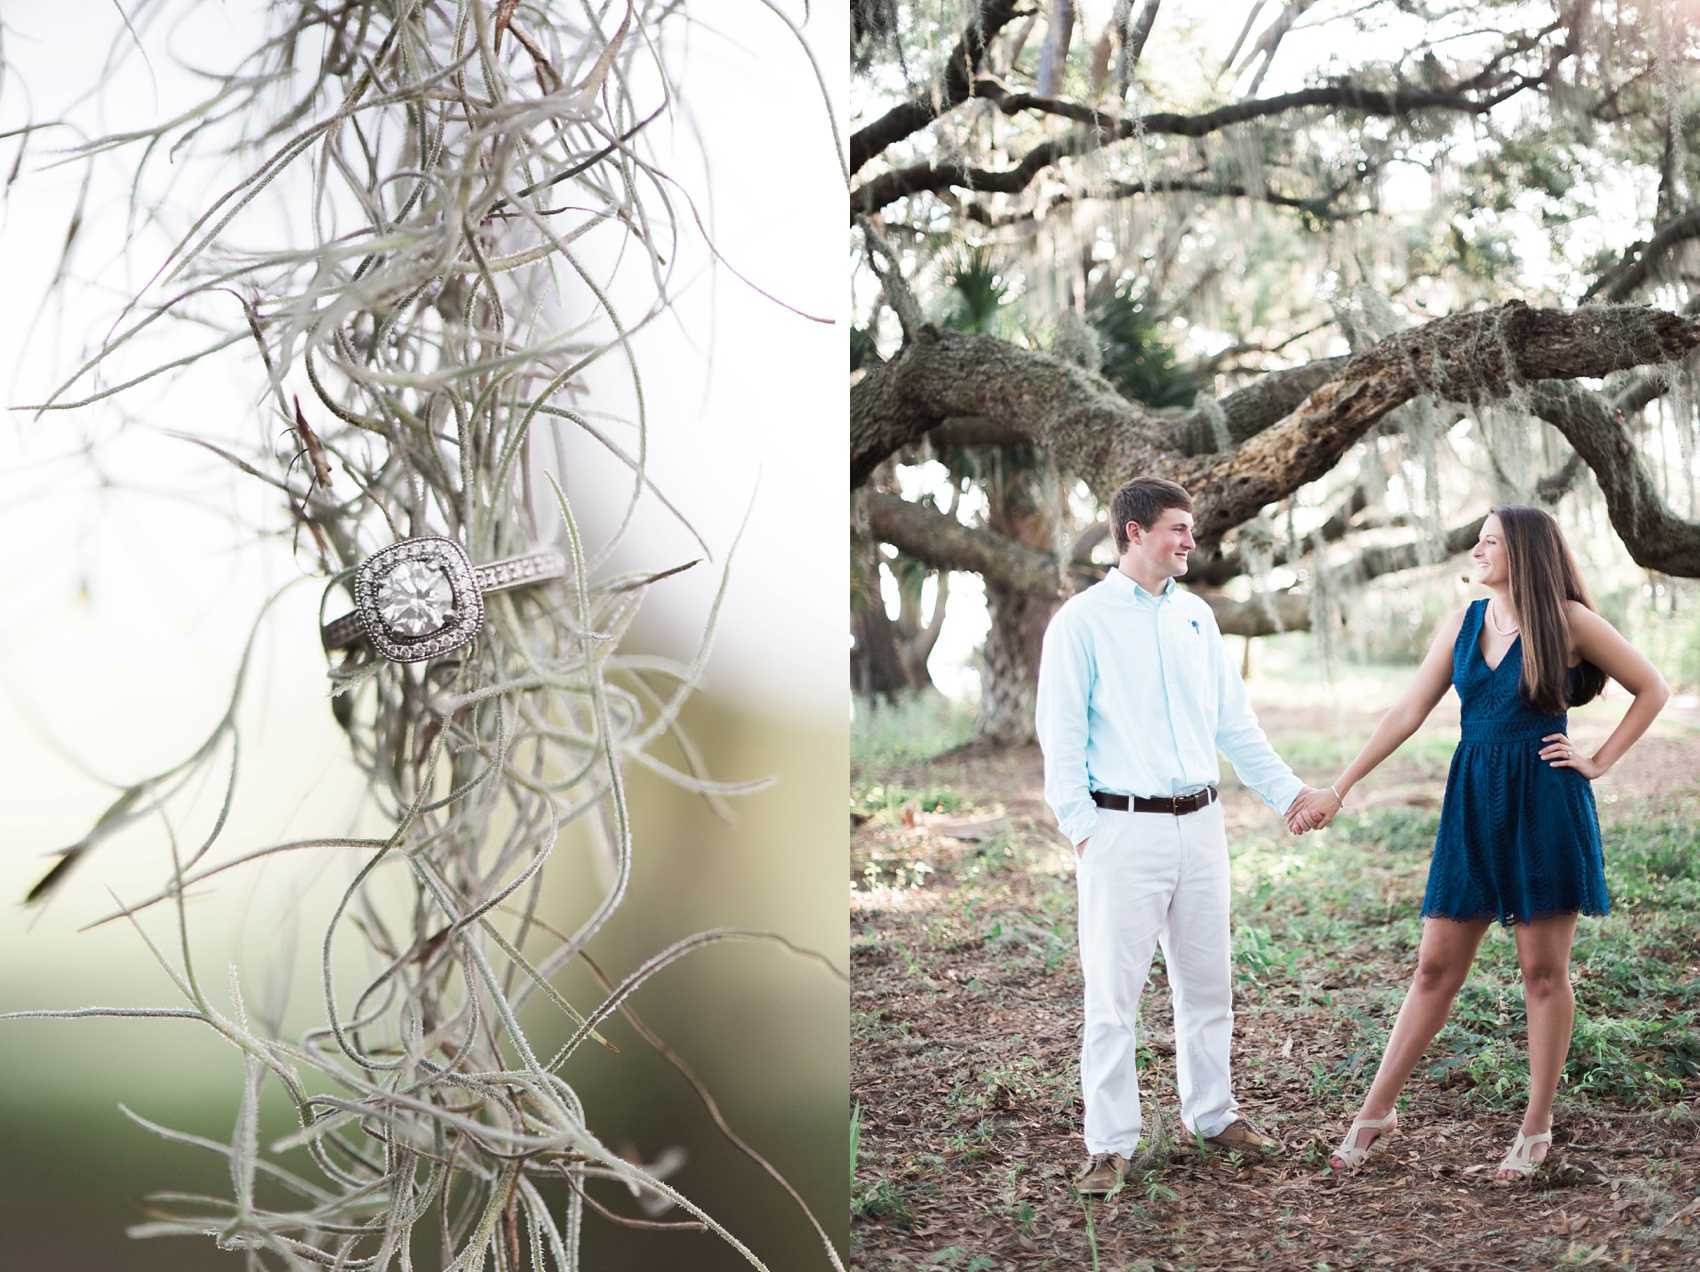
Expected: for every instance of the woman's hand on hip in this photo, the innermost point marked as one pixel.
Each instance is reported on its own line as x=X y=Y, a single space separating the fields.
x=1560 y=753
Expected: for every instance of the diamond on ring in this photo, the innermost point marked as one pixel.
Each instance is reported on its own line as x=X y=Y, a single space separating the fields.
x=423 y=597
x=415 y=598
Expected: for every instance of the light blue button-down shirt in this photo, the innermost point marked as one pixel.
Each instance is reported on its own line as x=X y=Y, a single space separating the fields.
x=1136 y=695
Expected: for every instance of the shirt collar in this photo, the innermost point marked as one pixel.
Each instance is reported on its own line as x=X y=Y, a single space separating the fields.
x=1134 y=591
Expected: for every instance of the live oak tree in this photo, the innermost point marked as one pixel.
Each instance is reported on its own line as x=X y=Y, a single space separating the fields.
x=1414 y=262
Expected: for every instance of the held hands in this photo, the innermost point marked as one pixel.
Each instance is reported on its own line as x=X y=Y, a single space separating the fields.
x=1312 y=810
x=1560 y=754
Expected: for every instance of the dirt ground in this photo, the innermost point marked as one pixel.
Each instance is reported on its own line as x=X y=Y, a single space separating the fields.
x=966 y=1044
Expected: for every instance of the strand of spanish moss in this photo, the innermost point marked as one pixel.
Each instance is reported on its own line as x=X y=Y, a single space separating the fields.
x=456 y=282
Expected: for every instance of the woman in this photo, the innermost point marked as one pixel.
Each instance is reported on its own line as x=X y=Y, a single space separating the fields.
x=1519 y=840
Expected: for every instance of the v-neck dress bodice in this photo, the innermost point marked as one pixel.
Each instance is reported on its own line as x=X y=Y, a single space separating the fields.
x=1519 y=839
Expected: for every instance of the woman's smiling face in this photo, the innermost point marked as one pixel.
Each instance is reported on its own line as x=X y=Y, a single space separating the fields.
x=1489 y=553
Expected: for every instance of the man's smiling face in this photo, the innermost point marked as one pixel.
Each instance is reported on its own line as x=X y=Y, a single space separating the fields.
x=1161 y=551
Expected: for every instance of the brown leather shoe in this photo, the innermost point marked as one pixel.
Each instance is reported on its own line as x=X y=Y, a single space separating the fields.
x=1240 y=1136
x=1102 y=1175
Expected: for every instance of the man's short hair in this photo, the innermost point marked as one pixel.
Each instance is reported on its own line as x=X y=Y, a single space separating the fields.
x=1144 y=500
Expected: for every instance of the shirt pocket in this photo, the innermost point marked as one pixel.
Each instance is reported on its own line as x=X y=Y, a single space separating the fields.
x=1189 y=645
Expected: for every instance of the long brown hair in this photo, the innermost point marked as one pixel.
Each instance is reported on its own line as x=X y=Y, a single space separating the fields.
x=1543 y=576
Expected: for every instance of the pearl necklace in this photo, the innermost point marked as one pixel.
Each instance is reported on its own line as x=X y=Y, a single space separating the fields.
x=1496 y=627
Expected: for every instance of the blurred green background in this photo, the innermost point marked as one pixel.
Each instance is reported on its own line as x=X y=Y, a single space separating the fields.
x=765 y=1029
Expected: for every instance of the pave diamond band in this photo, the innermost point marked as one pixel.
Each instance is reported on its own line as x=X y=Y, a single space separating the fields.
x=342 y=633
x=521 y=571
x=422 y=597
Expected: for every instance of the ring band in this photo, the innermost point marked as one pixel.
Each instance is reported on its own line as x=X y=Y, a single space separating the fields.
x=422 y=597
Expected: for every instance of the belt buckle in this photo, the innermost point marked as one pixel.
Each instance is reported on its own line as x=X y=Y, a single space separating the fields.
x=1175 y=806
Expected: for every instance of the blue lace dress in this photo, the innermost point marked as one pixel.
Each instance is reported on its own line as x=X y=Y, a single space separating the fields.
x=1519 y=839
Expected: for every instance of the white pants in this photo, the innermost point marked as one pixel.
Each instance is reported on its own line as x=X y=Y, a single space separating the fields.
x=1147 y=879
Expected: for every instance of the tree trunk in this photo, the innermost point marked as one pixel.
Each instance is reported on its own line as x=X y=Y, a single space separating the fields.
x=876 y=667
x=918 y=634
x=1009 y=665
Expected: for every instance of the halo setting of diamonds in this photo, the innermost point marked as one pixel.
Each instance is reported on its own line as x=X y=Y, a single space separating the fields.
x=418 y=599
x=423 y=597
x=415 y=599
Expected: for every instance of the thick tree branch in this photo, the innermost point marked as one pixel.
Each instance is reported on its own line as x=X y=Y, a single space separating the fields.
x=1341 y=95
x=1134 y=32
x=947 y=374
x=1213 y=569
x=1092 y=433
x=920 y=110
x=1266 y=614
x=897 y=293
x=1247 y=412
x=1640 y=261
x=1101 y=129
x=1012 y=422
x=978 y=430
x=1555 y=485
x=1636 y=397
x=1321 y=207
x=1242 y=414
x=1373 y=562
x=1656 y=537
x=1090 y=538
x=943 y=542
x=1467 y=357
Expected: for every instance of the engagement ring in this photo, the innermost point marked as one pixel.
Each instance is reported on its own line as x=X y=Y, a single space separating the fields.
x=422 y=597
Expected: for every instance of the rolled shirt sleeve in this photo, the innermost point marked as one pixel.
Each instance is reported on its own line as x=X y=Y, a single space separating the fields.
x=1065 y=693
x=1242 y=740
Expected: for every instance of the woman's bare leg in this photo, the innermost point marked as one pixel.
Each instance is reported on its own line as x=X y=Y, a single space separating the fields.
x=1443 y=963
x=1543 y=954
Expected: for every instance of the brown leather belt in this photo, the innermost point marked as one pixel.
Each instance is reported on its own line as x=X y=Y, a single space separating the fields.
x=1179 y=806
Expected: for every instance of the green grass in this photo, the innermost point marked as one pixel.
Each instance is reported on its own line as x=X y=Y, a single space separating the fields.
x=887 y=799
x=1670 y=639
x=1325 y=934
x=911 y=731
x=882 y=1199
x=1402 y=831
x=1324 y=755
x=1327 y=924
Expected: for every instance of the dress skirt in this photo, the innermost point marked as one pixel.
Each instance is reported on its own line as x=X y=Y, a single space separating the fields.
x=1519 y=840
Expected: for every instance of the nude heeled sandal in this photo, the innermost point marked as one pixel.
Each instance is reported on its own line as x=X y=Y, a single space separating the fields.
x=1520 y=1160
x=1349 y=1156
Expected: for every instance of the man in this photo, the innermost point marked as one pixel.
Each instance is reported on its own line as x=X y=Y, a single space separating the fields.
x=1136 y=695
